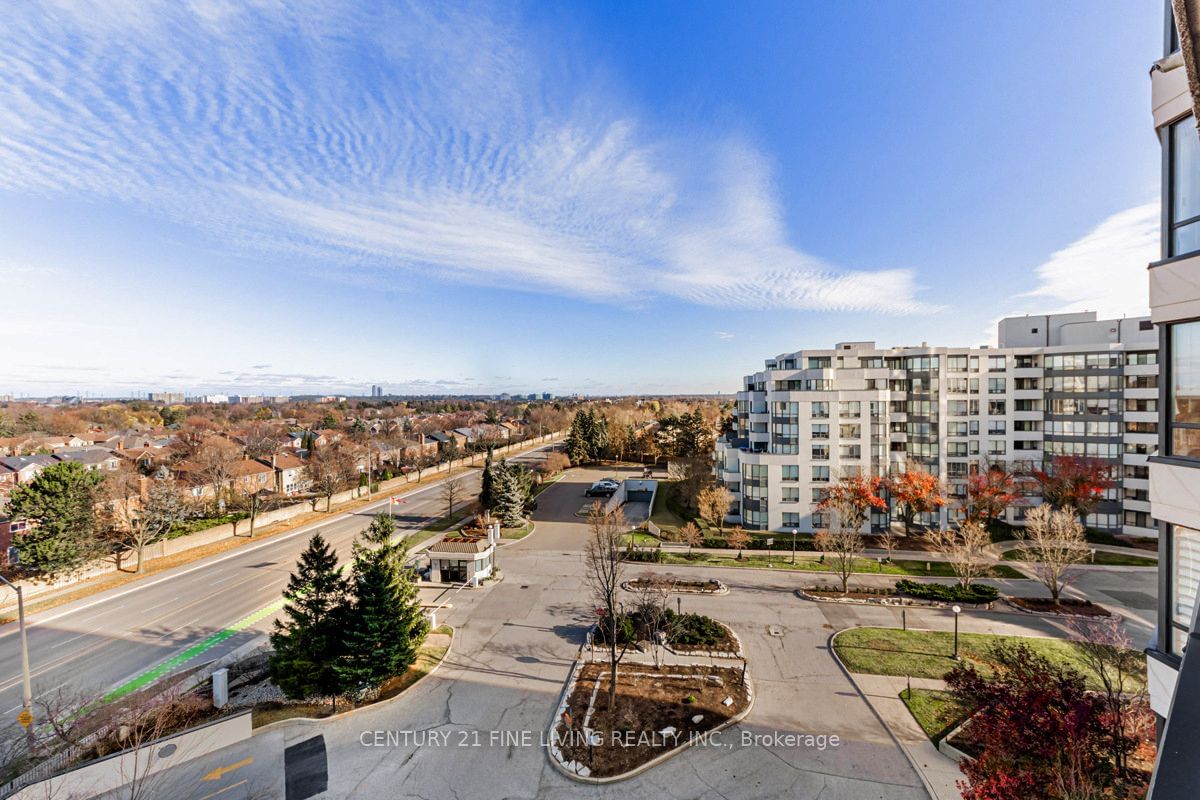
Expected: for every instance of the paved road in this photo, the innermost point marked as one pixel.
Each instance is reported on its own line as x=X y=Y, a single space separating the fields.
x=100 y=642
x=473 y=729
x=497 y=691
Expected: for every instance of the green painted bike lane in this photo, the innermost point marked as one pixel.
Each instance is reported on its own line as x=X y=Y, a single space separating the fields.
x=182 y=657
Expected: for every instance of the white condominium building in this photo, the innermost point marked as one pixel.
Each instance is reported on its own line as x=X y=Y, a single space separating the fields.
x=1065 y=384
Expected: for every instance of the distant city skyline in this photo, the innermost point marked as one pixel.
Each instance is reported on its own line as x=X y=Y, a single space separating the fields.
x=481 y=197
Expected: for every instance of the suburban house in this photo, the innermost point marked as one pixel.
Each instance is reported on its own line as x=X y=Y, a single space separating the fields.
x=9 y=528
x=245 y=475
x=144 y=459
x=27 y=467
x=18 y=445
x=291 y=476
x=94 y=458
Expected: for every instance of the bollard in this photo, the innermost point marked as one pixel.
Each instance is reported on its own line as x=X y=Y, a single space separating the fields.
x=220 y=688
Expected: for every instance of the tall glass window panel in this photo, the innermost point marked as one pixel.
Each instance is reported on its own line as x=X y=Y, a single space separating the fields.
x=1187 y=575
x=1185 y=389
x=1185 y=187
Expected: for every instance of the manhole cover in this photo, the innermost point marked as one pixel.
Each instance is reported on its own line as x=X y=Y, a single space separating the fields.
x=775 y=630
x=525 y=586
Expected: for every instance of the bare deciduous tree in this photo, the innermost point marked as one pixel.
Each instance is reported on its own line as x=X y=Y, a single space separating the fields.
x=332 y=467
x=453 y=490
x=1053 y=541
x=604 y=559
x=136 y=522
x=963 y=549
x=215 y=460
x=889 y=540
x=1107 y=650
x=843 y=545
x=659 y=623
x=261 y=438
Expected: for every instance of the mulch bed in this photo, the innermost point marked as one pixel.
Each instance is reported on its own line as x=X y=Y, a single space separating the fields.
x=853 y=594
x=1044 y=605
x=649 y=699
x=673 y=584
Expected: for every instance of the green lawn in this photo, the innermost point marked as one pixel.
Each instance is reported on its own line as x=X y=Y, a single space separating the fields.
x=928 y=654
x=517 y=533
x=809 y=562
x=640 y=539
x=1102 y=557
x=935 y=711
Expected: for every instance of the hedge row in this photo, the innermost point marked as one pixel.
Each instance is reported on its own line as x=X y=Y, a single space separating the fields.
x=975 y=593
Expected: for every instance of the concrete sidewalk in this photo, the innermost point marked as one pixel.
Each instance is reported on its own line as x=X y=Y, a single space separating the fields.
x=939 y=772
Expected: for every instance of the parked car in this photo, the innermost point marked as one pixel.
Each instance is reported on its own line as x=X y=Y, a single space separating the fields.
x=603 y=488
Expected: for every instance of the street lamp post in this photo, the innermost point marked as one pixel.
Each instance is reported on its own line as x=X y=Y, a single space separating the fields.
x=794 y=532
x=26 y=682
x=957 y=610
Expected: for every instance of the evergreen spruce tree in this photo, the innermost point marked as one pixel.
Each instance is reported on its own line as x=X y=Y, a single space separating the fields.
x=308 y=641
x=599 y=438
x=386 y=625
x=381 y=529
x=509 y=494
x=487 y=483
x=576 y=443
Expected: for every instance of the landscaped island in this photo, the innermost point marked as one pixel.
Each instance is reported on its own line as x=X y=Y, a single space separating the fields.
x=657 y=710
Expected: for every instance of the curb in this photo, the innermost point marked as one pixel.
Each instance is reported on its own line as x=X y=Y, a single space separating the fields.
x=305 y=722
x=899 y=602
x=554 y=756
x=1060 y=615
x=929 y=790
x=730 y=654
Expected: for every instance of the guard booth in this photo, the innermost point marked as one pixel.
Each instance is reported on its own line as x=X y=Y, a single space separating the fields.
x=461 y=559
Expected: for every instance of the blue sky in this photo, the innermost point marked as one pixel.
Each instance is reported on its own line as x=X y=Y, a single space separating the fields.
x=595 y=197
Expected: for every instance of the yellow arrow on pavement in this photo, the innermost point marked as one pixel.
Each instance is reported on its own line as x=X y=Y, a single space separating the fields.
x=220 y=772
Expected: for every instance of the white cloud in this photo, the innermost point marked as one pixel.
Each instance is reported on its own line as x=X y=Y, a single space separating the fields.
x=1105 y=270
x=415 y=142
x=725 y=335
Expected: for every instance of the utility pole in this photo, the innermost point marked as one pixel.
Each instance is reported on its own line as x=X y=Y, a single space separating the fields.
x=26 y=717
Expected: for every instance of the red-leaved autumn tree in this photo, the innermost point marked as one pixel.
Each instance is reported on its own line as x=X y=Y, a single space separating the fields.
x=1076 y=483
x=851 y=500
x=990 y=492
x=1039 y=730
x=915 y=492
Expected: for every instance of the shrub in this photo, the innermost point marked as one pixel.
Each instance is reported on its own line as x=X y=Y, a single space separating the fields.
x=646 y=556
x=976 y=593
x=697 y=629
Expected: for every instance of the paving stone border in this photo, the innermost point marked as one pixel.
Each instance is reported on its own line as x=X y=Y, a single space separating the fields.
x=893 y=600
x=720 y=590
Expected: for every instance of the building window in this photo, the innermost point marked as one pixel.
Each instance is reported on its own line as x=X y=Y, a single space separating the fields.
x=1183 y=192
x=820 y=452
x=791 y=519
x=996 y=385
x=1185 y=389
x=791 y=472
x=850 y=408
x=790 y=494
x=820 y=474
x=820 y=431
x=997 y=363
x=820 y=410
x=1185 y=563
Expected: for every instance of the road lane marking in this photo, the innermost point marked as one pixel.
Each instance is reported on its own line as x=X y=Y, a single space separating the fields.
x=219 y=772
x=164 y=668
x=242 y=782
x=340 y=517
